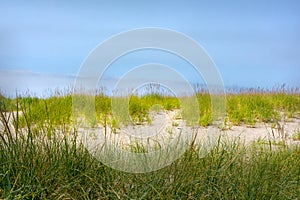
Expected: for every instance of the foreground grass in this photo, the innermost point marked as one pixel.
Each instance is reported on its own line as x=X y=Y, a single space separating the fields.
x=62 y=169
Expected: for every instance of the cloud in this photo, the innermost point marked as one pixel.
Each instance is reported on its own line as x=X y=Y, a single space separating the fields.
x=12 y=81
x=43 y=85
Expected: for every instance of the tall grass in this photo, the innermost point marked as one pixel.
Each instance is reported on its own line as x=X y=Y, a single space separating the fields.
x=246 y=107
x=61 y=168
x=252 y=107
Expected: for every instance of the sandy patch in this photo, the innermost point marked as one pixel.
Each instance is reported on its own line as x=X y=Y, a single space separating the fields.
x=166 y=127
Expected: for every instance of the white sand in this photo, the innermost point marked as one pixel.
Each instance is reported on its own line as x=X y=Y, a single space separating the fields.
x=166 y=127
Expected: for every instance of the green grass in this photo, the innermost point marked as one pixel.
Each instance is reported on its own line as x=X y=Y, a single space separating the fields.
x=61 y=169
x=37 y=164
x=242 y=108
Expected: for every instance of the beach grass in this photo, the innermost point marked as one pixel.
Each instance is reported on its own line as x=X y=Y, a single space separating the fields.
x=41 y=158
x=61 y=169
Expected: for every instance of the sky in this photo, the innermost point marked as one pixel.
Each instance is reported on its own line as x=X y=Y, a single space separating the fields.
x=44 y=43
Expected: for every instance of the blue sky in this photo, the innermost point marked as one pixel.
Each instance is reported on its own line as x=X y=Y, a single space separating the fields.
x=253 y=43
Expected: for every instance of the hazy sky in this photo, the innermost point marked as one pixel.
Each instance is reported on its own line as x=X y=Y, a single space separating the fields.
x=253 y=43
